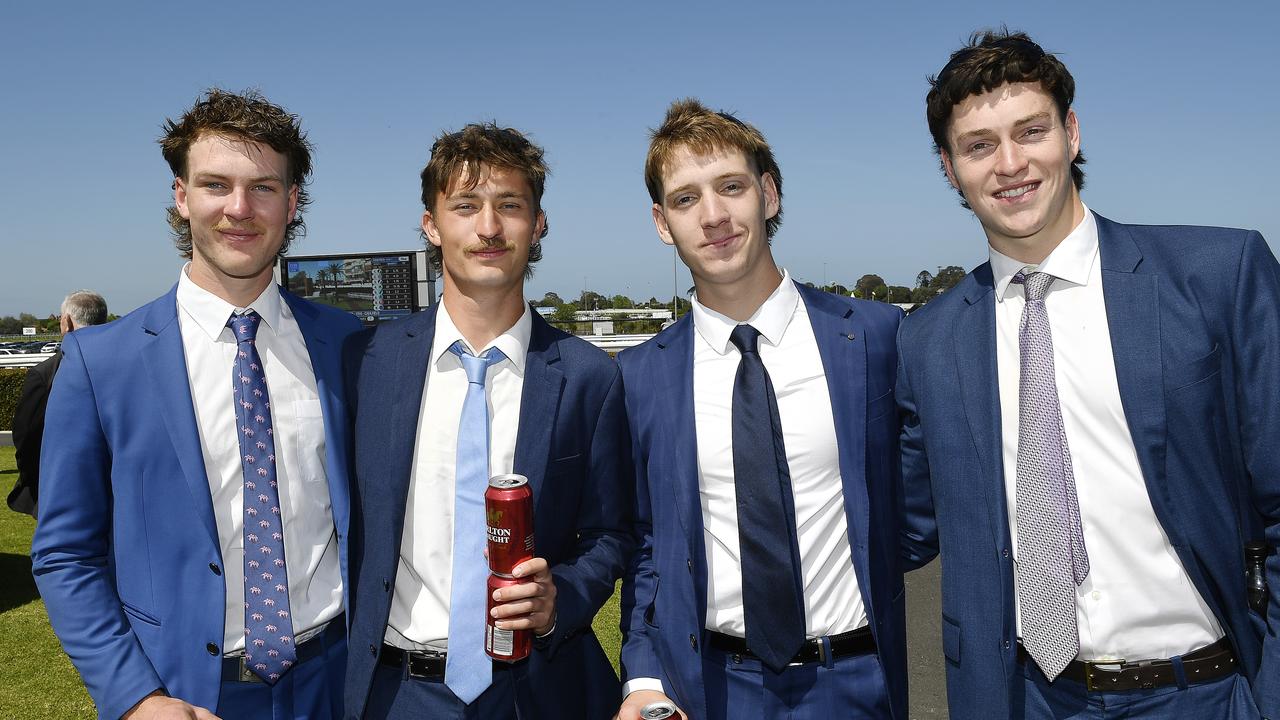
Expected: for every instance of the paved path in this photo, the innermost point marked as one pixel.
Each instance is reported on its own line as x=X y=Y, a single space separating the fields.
x=924 y=644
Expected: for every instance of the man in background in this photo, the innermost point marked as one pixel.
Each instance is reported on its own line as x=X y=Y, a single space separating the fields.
x=80 y=309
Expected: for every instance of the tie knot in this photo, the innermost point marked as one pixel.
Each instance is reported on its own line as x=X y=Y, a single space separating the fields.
x=1035 y=284
x=476 y=366
x=245 y=326
x=745 y=338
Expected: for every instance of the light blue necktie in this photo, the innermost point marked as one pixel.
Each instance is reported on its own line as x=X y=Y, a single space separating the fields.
x=468 y=671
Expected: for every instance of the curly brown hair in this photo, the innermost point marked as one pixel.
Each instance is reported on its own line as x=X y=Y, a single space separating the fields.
x=990 y=59
x=485 y=144
x=245 y=116
x=690 y=124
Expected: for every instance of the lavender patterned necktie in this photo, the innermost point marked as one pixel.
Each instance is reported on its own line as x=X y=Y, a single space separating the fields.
x=1052 y=560
x=268 y=627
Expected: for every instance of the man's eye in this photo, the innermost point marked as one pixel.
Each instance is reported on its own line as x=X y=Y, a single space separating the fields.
x=732 y=187
x=683 y=200
x=979 y=147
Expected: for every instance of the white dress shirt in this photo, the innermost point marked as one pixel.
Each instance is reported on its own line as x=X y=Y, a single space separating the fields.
x=310 y=540
x=1137 y=601
x=419 y=617
x=789 y=351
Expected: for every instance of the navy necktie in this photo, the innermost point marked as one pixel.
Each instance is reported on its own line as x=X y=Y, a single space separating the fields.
x=268 y=627
x=772 y=596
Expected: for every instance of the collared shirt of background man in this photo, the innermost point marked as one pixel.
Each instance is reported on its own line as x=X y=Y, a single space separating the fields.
x=1090 y=420
x=191 y=543
x=478 y=386
x=768 y=582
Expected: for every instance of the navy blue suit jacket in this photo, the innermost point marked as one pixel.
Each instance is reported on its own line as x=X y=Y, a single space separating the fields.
x=126 y=552
x=664 y=598
x=1194 y=318
x=572 y=445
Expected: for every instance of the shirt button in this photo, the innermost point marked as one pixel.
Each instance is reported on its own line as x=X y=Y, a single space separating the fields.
x=213 y=567
x=1096 y=595
x=212 y=648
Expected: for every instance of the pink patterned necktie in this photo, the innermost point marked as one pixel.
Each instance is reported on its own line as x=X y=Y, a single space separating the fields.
x=268 y=627
x=1052 y=560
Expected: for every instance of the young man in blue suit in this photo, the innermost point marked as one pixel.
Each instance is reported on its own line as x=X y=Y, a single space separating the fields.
x=477 y=386
x=191 y=543
x=1088 y=429
x=764 y=434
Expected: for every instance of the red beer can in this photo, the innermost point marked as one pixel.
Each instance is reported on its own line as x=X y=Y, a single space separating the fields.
x=504 y=645
x=508 y=511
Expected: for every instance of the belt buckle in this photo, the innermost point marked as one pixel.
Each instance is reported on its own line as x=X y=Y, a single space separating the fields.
x=243 y=673
x=1090 y=666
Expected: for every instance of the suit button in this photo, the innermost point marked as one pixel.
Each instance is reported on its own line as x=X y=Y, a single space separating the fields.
x=212 y=648
x=1005 y=552
x=373 y=650
x=689 y=562
x=850 y=336
x=1006 y=644
x=215 y=569
x=386 y=585
x=693 y=642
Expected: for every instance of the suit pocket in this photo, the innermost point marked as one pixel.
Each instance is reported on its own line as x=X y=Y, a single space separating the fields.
x=139 y=615
x=951 y=640
x=565 y=464
x=877 y=408
x=1181 y=375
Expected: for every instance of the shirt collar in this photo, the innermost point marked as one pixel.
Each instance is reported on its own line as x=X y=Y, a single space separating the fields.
x=771 y=318
x=211 y=312
x=1071 y=261
x=514 y=343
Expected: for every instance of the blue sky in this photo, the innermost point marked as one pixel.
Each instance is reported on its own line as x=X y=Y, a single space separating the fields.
x=1179 y=106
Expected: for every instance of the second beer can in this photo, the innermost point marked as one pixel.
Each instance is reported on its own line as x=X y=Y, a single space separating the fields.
x=508 y=511
x=658 y=711
x=504 y=645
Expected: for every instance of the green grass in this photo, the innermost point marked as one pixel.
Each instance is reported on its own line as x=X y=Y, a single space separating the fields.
x=40 y=683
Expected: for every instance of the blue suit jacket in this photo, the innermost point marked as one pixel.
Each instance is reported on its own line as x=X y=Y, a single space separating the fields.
x=126 y=553
x=1194 y=317
x=664 y=598
x=572 y=445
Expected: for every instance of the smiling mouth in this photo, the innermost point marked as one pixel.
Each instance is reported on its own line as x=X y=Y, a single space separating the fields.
x=722 y=242
x=1018 y=191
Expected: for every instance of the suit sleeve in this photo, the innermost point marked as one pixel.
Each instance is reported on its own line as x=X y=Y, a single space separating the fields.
x=72 y=546
x=1255 y=335
x=919 y=528
x=28 y=427
x=640 y=583
x=585 y=583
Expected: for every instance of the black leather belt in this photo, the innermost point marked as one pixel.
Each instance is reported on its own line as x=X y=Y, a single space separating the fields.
x=426 y=665
x=854 y=642
x=1210 y=662
x=234 y=669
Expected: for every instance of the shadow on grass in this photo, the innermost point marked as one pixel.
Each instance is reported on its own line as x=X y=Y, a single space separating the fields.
x=18 y=588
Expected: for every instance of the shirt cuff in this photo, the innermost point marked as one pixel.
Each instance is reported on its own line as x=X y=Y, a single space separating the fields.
x=642 y=683
x=548 y=633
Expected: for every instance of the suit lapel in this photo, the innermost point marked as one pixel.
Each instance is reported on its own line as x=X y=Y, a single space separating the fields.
x=975 y=356
x=675 y=371
x=166 y=363
x=402 y=391
x=844 y=360
x=539 y=404
x=1133 y=319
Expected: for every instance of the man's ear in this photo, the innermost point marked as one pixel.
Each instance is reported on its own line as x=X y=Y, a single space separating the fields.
x=772 y=203
x=429 y=228
x=660 y=222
